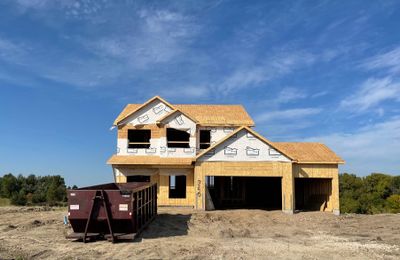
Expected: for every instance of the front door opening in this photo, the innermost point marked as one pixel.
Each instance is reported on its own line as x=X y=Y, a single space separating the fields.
x=246 y=192
x=312 y=194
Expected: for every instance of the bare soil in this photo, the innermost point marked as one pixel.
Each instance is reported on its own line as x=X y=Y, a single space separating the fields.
x=176 y=233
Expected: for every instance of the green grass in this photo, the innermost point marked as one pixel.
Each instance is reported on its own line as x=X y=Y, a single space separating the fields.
x=4 y=202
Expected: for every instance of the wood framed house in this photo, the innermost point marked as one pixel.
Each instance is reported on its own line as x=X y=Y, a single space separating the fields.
x=209 y=156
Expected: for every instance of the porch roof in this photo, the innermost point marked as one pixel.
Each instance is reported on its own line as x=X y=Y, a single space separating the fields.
x=148 y=160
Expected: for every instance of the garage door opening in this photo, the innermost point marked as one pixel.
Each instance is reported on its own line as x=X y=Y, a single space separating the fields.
x=312 y=194
x=245 y=192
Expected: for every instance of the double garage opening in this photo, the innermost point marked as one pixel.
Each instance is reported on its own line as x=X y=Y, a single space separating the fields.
x=227 y=192
x=231 y=192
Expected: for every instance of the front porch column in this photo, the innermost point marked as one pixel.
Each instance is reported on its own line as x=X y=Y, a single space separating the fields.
x=288 y=191
x=335 y=195
x=199 y=188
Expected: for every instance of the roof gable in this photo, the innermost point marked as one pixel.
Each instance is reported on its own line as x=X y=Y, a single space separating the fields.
x=244 y=144
x=133 y=108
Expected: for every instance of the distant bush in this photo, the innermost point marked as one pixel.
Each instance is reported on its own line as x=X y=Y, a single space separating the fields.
x=375 y=193
x=33 y=190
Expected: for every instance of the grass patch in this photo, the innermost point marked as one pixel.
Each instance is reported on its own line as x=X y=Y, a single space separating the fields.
x=4 y=202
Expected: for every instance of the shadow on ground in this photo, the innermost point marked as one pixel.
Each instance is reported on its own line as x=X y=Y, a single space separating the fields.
x=166 y=225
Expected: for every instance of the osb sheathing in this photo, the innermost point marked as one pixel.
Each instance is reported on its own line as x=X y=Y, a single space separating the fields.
x=195 y=188
x=163 y=192
x=156 y=132
x=256 y=169
x=313 y=153
x=207 y=115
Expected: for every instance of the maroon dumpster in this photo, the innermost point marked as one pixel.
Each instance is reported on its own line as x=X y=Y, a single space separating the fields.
x=113 y=211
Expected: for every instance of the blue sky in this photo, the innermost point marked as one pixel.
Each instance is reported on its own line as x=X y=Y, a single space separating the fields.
x=326 y=71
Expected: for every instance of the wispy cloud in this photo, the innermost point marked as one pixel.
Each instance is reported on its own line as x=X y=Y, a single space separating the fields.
x=183 y=92
x=373 y=148
x=287 y=95
x=12 y=52
x=372 y=93
x=154 y=37
x=274 y=66
x=76 y=8
x=389 y=61
x=288 y=114
x=319 y=94
x=150 y=38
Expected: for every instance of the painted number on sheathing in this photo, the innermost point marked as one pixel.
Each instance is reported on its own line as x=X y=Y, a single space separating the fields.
x=74 y=207
x=123 y=207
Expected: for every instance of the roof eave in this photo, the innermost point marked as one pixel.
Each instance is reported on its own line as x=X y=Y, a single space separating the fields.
x=322 y=162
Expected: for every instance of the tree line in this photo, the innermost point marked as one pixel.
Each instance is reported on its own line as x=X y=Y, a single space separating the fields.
x=375 y=193
x=34 y=190
x=372 y=194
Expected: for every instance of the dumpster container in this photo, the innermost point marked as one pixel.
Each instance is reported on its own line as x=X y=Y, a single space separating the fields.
x=114 y=211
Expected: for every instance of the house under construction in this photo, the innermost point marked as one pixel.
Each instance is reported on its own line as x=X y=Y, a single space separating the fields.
x=209 y=156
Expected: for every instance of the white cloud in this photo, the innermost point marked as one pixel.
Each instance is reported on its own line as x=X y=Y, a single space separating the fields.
x=371 y=94
x=389 y=60
x=288 y=114
x=373 y=148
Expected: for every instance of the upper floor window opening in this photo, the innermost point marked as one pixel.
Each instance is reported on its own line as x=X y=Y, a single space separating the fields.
x=139 y=138
x=205 y=139
x=177 y=138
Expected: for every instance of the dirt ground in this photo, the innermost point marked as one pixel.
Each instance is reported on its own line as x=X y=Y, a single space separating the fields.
x=37 y=233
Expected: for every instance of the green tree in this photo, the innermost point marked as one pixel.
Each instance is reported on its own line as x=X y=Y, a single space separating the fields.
x=393 y=202
x=395 y=185
x=18 y=198
x=350 y=190
x=9 y=185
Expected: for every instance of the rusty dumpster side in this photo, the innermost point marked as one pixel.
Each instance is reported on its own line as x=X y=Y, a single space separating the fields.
x=112 y=211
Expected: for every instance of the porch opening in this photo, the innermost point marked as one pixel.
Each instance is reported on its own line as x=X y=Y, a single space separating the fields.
x=177 y=187
x=139 y=138
x=138 y=178
x=177 y=138
x=245 y=192
x=312 y=194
